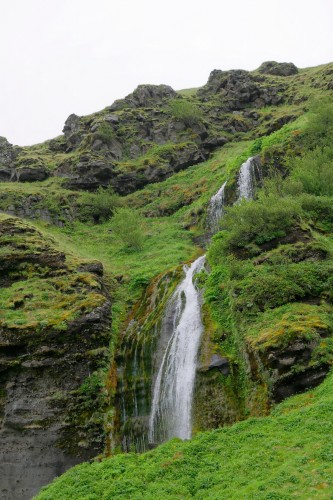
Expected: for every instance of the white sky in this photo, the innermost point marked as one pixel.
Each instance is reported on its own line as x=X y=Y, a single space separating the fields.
x=77 y=56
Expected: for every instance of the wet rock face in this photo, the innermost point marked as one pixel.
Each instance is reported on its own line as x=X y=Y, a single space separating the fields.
x=287 y=370
x=45 y=427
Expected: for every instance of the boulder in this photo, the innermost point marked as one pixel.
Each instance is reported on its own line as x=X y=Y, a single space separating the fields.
x=72 y=131
x=30 y=169
x=88 y=173
x=31 y=174
x=145 y=96
x=220 y=363
x=72 y=125
x=278 y=69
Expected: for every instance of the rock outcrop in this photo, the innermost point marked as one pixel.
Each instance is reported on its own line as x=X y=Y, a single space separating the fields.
x=55 y=316
x=237 y=89
x=145 y=96
x=278 y=69
x=97 y=150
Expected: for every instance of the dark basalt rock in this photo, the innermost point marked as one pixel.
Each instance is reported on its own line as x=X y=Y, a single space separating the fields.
x=72 y=131
x=299 y=382
x=95 y=267
x=278 y=69
x=214 y=142
x=287 y=370
x=31 y=174
x=7 y=153
x=72 y=125
x=6 y=174
x=178 y=159
x=145 y=96
x=238 y=88
x=89 y=173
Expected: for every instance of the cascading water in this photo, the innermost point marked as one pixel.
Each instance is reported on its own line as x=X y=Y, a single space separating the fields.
x=172 y=397
x=215 y=209
x=247 y=178
x=178 y=345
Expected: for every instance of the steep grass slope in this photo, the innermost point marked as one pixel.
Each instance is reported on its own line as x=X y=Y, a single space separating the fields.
x=287 y=455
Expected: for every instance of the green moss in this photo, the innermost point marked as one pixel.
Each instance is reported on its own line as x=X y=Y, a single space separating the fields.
x=44 y=290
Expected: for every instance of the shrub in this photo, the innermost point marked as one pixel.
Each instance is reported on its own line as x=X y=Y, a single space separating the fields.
x=98 y=206
x=127 y=225
x=259 y=221
x=314 y=170
x=186 y=111
x=105 y=133
x=272 y=286
x=320 y=124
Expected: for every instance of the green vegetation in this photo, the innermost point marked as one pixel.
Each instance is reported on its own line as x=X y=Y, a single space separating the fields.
x=186 y=111
x=128 y=226
x=44 y=288
x=105 y=133
x=286 y=455
x=98 y=206
x=270 y=289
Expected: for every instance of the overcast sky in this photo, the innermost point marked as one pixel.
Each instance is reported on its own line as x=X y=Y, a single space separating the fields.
x=60 y=57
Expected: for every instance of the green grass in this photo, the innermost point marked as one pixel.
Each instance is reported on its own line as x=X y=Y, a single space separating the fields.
x=287 y=455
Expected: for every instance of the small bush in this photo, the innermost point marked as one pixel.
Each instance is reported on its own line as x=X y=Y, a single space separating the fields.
x=314 y=170
x=186 y=111
x=127 y=225
x=105 y=133
x=320 y=124
x=98 y=206
x=259 y=221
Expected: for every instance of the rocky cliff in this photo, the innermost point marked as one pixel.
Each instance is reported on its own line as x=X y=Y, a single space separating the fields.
x=54 y=335
x=156 y=131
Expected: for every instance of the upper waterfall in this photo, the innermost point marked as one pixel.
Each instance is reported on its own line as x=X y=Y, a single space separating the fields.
x=215 y=208
x=247 y=179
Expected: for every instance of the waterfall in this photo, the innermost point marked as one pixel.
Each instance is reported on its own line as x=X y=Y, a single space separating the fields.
x=174 y=385
x=247 y=178
x=172 y=397
x=215 y=209
x=171 y=408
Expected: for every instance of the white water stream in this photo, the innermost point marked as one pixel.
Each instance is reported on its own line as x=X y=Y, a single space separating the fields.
x=215 y=209
x=173 y=391
x=247 y=179
x=171 y=410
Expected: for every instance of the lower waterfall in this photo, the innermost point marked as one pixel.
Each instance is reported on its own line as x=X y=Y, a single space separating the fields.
x=174 y=385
